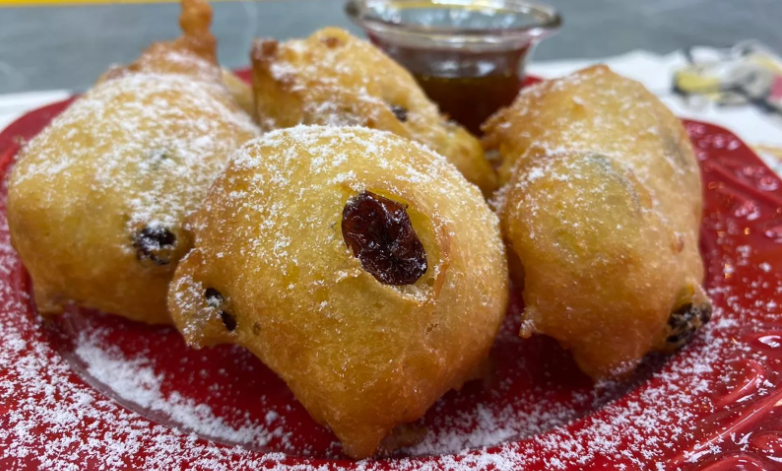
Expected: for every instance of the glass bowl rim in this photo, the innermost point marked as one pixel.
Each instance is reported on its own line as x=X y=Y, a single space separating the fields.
x=359 y=12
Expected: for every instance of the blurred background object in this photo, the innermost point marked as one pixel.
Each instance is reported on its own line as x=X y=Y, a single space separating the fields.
x=748 y=73
x=65 y=46
x=51 y=48
x=456 y=51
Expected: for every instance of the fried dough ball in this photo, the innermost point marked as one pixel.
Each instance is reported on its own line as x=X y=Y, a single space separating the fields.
x=333 y=78
x=602 y=210
x=359 y=266
x=97 y=201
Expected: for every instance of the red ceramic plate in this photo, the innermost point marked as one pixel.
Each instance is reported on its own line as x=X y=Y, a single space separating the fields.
x=91 y=391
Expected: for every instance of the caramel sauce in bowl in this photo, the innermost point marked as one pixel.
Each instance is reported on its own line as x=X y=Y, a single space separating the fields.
x=469 y=56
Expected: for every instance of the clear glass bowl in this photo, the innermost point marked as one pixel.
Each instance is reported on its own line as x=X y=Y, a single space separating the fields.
x=468 y=55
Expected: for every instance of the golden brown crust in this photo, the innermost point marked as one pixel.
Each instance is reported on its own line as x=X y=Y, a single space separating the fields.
x=241 y=92
x=97 y=201
x=602 y=207
x=362 y=356
x=195 y=21
x=333 y=78
x=193 y=54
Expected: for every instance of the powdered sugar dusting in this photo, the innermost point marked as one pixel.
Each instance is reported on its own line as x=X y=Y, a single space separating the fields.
x=49 y=419
x=324 y=145
x=134 y=380
x=140 y=130
x=600 y=172
x=334 y=79
x=346 y=76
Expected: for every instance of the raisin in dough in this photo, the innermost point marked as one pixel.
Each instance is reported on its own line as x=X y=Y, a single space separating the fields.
x=602 y=212
x=97 y=201
x=333 y=78
x=359 y=266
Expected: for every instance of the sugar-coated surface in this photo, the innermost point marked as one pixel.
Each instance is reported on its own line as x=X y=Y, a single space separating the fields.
x=602 y=207
x=98 y=199
x=333 y=78
x=361 y=354
x=127 y=138
x=48 y=416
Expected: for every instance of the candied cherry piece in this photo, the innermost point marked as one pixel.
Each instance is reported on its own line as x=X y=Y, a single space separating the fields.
x=379 y=233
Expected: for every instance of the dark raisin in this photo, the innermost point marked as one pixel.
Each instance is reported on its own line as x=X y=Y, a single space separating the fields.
x=379 y=233
x=215 y=299
x=400 y=112
x=228 y=320
x=154 y=243
x=685 y=322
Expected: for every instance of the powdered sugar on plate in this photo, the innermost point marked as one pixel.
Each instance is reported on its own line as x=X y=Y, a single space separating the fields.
x=134 y=380
x=711 y=401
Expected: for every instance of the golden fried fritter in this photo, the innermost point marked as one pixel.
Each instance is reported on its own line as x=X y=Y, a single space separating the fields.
x=241 y=92
x=602 y=209
x=97 y=201
x=333 y=78
x=358 y=265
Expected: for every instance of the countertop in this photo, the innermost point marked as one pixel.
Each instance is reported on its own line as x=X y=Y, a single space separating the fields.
x=67 y=47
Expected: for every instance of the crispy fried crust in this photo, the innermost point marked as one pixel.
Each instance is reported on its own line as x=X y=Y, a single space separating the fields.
x=602 y=207
x=271 y=271
x=333 y=78
x=97 y=201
